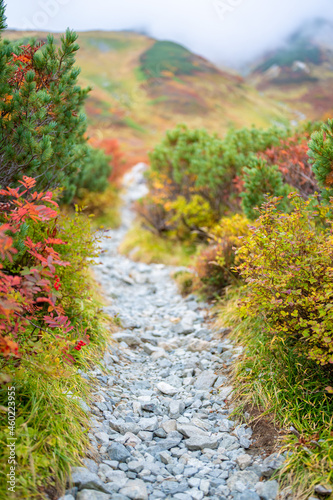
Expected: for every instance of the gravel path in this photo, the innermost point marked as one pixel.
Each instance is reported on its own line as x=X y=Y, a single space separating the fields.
x=160 y=424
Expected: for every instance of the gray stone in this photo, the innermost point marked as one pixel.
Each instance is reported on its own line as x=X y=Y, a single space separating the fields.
x=194 y=482
x=224 y=392
x=205 y=380
x=145 y=435
x=271 y=464
x=135 y=466
x=150 y=407
x=248 y=478
x=323 y=490
x=117 y=477
x=135 y=490
x=165 y=457
x=118 y=452
x=84 y=479
x=91 y=465
x=68 y=497
x=129 y=339
x=148 y=424
x=183 y=329
x=205 y=486
x=166 y=444
x=246 y=443
x=123 y=427
x=169 y=426
x=149 y=348
x=176 y=408
x=195 y=494
x=248 y=495
x=268 y=490
x=244 y=461
x=201 y=442
x=160 y=432
x=229 y=443
x=102 y=437
x=91 y=495
x=182 y=496
x=173 y=487
x=189 y=430
x=178 y=469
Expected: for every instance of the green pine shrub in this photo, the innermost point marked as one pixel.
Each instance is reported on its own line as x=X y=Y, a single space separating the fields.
x=43 y=127
x=260 y=180
x=321 y=155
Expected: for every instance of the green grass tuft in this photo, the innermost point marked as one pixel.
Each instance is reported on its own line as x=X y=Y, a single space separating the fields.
x=273 y=376
x=144 y=246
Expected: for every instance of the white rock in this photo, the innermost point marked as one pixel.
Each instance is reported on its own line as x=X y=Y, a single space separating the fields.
x=167 y=389
x=205 y=486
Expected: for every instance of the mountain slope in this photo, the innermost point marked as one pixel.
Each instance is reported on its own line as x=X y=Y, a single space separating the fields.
x=301 y=71
x=142 y=87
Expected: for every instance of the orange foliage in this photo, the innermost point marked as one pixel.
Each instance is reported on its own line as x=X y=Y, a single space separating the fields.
x=111 y=147
x=24 y=62
x=292 y=159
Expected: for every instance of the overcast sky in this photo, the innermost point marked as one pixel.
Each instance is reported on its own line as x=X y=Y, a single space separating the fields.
x=228 y=31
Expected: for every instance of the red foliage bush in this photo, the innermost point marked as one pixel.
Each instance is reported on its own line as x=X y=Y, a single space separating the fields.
x=29 y=285
x=293 y=161
x=111 y=147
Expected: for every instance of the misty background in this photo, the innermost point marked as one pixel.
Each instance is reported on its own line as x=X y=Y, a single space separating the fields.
x=229 y=32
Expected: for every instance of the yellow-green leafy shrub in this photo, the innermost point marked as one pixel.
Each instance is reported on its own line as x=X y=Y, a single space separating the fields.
x=287 y=264
x=190 y=217
x=216 y=264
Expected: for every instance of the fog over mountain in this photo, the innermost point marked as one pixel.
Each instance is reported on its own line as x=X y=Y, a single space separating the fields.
x=229 y=32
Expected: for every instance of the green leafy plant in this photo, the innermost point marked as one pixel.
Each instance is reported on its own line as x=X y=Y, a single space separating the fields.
x=287 y=264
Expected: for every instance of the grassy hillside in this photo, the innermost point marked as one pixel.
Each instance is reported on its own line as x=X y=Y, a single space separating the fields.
x=142 y=87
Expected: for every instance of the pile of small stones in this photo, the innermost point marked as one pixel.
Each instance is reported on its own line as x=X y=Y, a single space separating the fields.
x=161 y=425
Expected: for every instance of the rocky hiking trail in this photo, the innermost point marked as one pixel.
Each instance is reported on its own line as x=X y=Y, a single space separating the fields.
x=160 y=423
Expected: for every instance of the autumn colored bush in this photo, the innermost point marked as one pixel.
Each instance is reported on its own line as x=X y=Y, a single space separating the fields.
x=112 y=149
x=215 y=265
x=287 y=265
x=38 y=292
x=291 y=158
x=193 y=171
x=189 y=219
x=51 y=324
